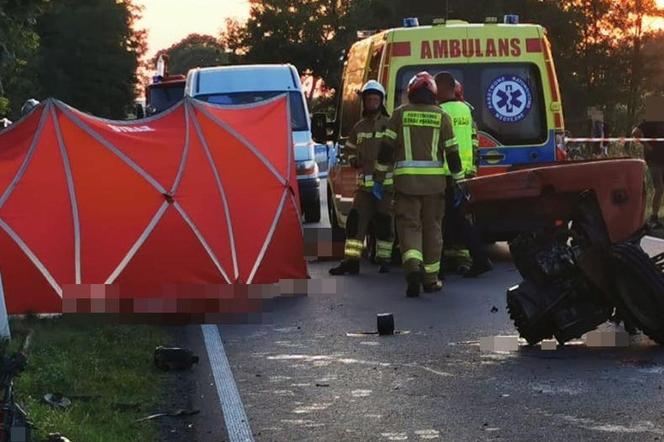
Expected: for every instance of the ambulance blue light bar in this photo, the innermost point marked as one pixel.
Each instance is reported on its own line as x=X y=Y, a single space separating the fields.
x=411 y=22
x=511 y=19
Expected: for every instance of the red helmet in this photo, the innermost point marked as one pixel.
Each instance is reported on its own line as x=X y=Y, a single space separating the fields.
x=423 y=80
x=458 y=90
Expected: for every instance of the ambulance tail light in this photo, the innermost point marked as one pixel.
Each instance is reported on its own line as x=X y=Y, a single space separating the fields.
x=561 y=149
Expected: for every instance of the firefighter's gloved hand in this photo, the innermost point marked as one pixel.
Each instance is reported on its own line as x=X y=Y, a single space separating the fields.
x=461 y=195
x=377 y=190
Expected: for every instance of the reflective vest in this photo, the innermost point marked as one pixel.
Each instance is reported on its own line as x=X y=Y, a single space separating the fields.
x=362 y=147
x=465 y=132
x=420 y=138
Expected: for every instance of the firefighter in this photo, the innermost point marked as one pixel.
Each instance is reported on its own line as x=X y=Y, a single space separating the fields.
x=361 y=150
x=418 y=140
x=463 y=243
x=28 y=106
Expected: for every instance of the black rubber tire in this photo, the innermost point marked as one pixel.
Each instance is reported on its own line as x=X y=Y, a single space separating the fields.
x=639 y=289
x=521 y=299
x=312 y=212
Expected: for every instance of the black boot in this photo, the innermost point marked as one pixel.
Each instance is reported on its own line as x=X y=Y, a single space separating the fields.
x=478 y=269
x=434 y=286
x=347 y=266
x=414 y=280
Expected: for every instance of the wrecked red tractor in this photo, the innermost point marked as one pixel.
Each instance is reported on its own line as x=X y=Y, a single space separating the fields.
x=574 y=233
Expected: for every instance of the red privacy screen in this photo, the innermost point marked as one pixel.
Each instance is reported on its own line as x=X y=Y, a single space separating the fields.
x=199 y=195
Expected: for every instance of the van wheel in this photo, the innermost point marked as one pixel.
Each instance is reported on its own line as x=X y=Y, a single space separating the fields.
x=312 y=212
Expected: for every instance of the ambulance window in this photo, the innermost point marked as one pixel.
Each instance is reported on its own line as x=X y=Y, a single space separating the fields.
x=507 y=98
x=512 y=107
x=374 y=62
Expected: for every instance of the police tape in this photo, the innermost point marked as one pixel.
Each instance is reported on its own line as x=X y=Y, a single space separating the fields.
x=611 y=140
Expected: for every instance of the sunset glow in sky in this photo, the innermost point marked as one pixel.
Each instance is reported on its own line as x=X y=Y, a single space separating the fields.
x=169 y=21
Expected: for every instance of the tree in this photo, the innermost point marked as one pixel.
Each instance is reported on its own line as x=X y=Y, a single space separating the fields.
x=90 y=54
x=310 y=32
x=18 y=47
x=233 y=37
x=195 y=50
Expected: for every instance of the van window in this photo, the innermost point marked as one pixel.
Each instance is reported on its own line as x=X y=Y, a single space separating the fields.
x=298 y=113
x=507 y=97
x=161 y=98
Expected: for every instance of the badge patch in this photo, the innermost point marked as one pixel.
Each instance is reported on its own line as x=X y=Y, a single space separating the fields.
x=509 y=99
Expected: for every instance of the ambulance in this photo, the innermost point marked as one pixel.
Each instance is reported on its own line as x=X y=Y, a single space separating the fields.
x=509 y=79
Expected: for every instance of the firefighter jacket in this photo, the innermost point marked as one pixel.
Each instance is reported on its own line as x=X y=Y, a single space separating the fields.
x=362 y=148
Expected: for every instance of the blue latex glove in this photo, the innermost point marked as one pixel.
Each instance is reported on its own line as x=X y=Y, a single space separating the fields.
x=377 y=190
x=460 y=196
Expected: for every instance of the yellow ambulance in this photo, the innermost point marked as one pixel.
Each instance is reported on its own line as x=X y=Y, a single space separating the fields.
x=508 y=76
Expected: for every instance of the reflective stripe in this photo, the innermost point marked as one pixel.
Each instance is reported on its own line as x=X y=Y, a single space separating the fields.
x=351 y=145
x=367 y=180
x=416 y=163
x=451 y=142
x=434 y=144
x=407 y=144
x=420 y=171
x=389 y=133
x=458 y=176
x=384 y=245
x=364 y=136
x=412 y=254
x=422 y=119
x=432 y=268
x=380 y=167
x=353 y=248
x=354 y=243
x=383 y=249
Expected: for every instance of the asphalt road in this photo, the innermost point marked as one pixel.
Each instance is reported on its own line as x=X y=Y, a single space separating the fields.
x=310 y=372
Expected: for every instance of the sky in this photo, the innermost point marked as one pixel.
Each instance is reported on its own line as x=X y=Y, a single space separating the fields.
x=169 y=21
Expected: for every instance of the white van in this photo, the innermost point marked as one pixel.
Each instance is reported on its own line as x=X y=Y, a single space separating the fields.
x=243 y=84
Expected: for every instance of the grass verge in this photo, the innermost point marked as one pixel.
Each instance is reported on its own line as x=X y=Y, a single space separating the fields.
x=105 y=369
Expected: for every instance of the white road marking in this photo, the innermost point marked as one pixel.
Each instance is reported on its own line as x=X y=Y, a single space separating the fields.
x=237 y=424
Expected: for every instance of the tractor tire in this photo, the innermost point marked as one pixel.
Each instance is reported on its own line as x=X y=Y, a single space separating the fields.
x=639 y=289
x=524 y=310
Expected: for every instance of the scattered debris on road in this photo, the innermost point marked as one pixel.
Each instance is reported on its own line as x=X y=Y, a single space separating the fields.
x=174 y=358
x=177 y=413
x=385 y=324
x=57 y=400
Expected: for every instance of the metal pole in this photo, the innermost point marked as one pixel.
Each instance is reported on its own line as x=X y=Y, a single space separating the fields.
x=447 y=10
x=4 y=319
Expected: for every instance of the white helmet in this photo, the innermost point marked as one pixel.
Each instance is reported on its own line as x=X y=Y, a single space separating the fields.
x=28 y=106
x=373 y=86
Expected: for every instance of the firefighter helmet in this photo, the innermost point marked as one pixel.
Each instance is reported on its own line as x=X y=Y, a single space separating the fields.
x=422 y=80
x=458 y=91
x=28 y=106
x=373 y=86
